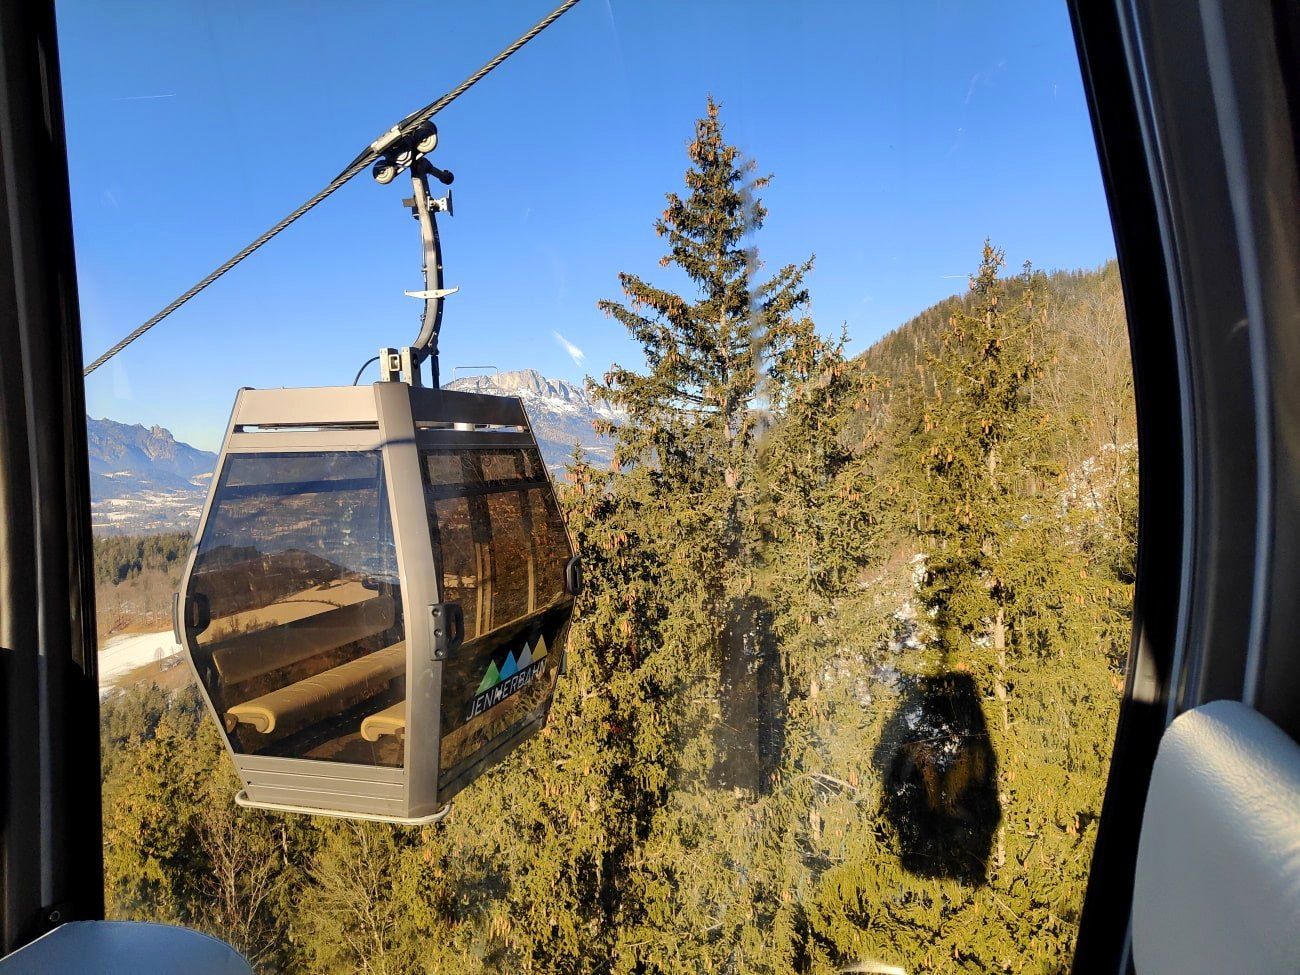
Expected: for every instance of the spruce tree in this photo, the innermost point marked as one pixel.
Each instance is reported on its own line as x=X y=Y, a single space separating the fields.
x=819 y=507
x=691 y=508
x=692 y=412
x=712 y=358
x=979 y=445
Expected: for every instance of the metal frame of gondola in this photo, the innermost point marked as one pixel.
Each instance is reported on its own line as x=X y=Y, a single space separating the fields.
x=398 y=420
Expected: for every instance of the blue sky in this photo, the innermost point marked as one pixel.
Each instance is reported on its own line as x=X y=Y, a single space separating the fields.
x=900 y=134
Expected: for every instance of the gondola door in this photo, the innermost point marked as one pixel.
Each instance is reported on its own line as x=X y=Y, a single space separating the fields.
x=502 y=550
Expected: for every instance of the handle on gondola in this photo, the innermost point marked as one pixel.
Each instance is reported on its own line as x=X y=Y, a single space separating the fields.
x=573 y=576
x=196 y=613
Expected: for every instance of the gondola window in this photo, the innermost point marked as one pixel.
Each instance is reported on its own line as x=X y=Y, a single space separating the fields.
x=297 y=606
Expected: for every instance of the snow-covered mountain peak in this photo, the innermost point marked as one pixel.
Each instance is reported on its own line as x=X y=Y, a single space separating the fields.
x=557 y=395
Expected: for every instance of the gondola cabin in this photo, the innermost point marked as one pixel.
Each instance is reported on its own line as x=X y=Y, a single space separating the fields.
x=378 y=598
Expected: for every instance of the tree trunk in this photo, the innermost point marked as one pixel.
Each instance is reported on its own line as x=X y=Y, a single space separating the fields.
x=999 y=635
x=1000 y=691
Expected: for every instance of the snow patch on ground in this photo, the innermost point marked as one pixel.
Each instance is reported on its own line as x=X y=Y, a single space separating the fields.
x=123 y=654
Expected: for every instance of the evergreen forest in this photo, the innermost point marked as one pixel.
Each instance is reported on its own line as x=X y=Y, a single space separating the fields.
x=843 y=681
x=135 y=577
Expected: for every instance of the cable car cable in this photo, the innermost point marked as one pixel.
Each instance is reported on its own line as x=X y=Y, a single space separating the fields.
x=369 y=155
x=433 y=108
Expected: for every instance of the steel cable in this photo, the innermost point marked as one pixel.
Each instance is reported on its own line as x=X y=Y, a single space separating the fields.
x=357 y=165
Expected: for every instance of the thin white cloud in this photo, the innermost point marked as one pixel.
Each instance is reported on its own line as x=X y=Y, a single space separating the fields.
x=143 y=98
x=575 y=353
x=981 y=78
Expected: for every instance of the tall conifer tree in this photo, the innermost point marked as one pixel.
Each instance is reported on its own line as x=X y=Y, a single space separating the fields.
x=693 y=414
x=981 y=443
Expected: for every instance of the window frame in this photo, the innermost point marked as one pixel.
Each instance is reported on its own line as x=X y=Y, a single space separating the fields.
x=370 y=489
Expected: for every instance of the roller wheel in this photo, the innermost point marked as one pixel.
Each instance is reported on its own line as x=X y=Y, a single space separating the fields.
x=426 y=138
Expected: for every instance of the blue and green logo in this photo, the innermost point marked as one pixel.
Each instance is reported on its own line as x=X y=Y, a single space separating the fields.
x=515 y=673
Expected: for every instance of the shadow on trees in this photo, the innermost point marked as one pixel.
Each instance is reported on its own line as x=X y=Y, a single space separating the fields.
x=752 y=695
x=939 y=772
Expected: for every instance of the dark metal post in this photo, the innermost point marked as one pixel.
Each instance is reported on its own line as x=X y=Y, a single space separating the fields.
x=51 y=859
x=425 y=345
x=408 y=151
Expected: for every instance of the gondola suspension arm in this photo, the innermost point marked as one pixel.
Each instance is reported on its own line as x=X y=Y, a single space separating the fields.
x=404 y=364
x=426 y=209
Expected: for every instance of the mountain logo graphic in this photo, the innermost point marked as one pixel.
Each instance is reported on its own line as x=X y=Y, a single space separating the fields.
x=510 y=677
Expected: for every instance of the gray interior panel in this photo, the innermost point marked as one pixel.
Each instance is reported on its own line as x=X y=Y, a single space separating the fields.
x=124 y=948
x=1218 y=872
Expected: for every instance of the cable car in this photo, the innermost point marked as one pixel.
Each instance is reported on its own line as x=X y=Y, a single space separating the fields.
x=376 y=604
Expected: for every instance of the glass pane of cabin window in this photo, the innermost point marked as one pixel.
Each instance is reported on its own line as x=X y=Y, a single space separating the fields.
x=502 y=465
x=444 y=467
x=510 y=465
x=500 y=540
x=494 y=510
x=458 y=558
x=512 y=557
x=297 y=606
x=552 y=543
x=844 y=679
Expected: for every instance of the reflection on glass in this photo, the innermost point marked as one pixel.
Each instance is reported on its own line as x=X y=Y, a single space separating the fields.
x=512 y=557
x=939 y=771
x=552 y=543
x=295 y=606
x=798 y=734
x=501 y=548
x=459 y=562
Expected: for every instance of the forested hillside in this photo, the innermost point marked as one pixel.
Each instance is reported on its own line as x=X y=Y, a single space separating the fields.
x=135 y=576
x=842 y=686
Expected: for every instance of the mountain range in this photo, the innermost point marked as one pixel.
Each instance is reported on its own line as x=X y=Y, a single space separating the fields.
x=143 y=480
x=561 y=413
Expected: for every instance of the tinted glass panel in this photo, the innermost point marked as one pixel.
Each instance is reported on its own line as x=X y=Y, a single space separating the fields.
x=552 y=544
x=501 y=551
x=513 y=556
x=459 y=558
x=295 y=606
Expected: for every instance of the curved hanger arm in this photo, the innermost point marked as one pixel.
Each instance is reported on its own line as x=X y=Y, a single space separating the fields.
x=425 y=208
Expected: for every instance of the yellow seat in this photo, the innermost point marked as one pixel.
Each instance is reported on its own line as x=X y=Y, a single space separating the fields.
x=323 y=695
x=390 y=721
x=247 y=655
